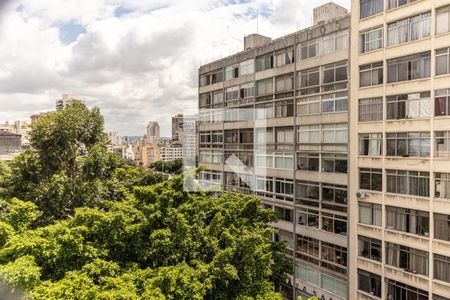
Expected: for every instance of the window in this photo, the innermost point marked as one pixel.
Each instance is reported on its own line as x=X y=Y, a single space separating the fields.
x=217 y=97
x=264 y=62
x=369 y=214
x=409 y=259
x=408 y=220
x=397 y=290
x=264 y=87
x=247 y=67
x=334 y=253
x=370 y=109
x=409 y=67
x=308 y=162
x=284 y=57
x=247 y=90
x=232 y=93
x=284 y=135
x=335 y=133
x=410 y=29
x=443 y=61
x=309 y=134
x=335 y=285
x=284 y=83
x=370 y=40
x=408 y=182
x=334 y=163
x=371 y=74
x=308 y=217
x=441 y=102
x=335 y=72
x=264 y=111
x=370 y=179
x=369 y=283
x=306 y=273
x=396 y=3
x=264 y=184
x=370 y=7
x=309 y=77
x=334 y=223
x=284 y=109
x=284 y=214
x=211 y=78
x=335 y=42
x=370 y=144
x=231 y=72
x=284 y=186
x=308 y=106
x=409 y=106
x=286 y=237
x=334 y=197
x=442 y=185
x=309 y=49
x=369 y=248
x=308 y=245
x=308 y=193
x=442 y=19
x=441 y=226
x=336 y=102
x=408 y=144
x=441 y=267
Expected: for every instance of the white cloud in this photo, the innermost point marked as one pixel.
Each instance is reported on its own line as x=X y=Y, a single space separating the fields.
x=138 y=66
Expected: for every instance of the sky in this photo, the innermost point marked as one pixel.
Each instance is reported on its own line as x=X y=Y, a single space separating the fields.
x=137 y=60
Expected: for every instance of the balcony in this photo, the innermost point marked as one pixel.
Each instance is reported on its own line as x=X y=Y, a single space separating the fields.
x=416 y=280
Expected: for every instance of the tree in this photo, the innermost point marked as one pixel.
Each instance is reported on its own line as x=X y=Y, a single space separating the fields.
x=159 y=242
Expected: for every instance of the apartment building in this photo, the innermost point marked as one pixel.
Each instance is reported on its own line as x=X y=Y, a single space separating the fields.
x=399 y=144
x=281 y=108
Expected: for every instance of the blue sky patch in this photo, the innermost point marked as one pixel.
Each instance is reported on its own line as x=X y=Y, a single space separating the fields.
x=69 y=31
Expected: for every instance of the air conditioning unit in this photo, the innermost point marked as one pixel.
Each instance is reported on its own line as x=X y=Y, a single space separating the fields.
x=360 y=194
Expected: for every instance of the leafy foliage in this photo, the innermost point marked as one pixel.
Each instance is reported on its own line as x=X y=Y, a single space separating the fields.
x=93 y=227
x=172 y=167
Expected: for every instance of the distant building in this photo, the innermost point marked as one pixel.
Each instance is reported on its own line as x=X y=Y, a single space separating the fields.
x=10 y=144
x=153 y=135
x=170 y=152
x=67 y=100
x=177 y=126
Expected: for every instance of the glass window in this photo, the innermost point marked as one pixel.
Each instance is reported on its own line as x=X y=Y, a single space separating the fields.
x=232 y=93
x=307 y=193
x=334 y=163
x=309 y=134
x=370 y=40
x=409 y=29
x=264 y=87
x=264 y=62
x=409 y=67
x=410 y=259
x=247 y=67
x=442 y=185
x=441 y=226
x=398 y=290
x=308 y=49
x=284 y=83
x=443 y=61
x=308 y=217
x=284 y=214
x=370 y=109
x=408 y=220
x=231 y=72
x=409 y=106
x=442 y=267
x=335 y=72
x=310 y=77
x=370 y=179
x=369 y=248
x=369 y=213
x=370 y=7
x=284 y=57
x=334 y=223
x=335 y=133
x=406 y=144
x=308 y=105
x=369 y=283
x=408 y=182
x=371 y=74
x=370 y=144
x=335 y=102
x=308 y=162
x=441 y=102
x=308 y=245
x=396 y=3
x=284 y=109
x=247 y=90
x=443 y=19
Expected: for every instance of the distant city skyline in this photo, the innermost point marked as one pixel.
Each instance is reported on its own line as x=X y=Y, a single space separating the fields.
x=146 y=70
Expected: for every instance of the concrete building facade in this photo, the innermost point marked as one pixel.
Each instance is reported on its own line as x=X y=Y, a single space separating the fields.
x=399 y=136
x=281 y=108
x=153 y=135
